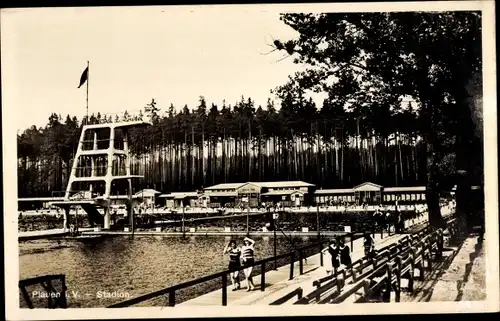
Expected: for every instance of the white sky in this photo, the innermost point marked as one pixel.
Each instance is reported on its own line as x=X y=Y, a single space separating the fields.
x=172 y=54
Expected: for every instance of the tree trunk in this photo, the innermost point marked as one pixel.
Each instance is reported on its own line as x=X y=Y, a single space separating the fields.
x=432 y=192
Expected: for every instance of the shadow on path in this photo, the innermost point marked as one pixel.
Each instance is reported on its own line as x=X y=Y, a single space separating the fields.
x=468 y=269
x=424 y=290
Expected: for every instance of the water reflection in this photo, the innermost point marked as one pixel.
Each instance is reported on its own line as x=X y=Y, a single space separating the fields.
x=135 y=265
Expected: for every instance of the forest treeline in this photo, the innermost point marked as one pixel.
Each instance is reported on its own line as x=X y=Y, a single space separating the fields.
x=244 y=142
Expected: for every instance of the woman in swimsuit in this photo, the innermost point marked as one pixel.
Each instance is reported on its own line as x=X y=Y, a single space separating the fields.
x=248 y=259
x=234 y=263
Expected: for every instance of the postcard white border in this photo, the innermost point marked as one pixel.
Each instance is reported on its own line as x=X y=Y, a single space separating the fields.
x=490 y=167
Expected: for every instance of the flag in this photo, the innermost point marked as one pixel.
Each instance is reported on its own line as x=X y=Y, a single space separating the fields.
x=84 y=76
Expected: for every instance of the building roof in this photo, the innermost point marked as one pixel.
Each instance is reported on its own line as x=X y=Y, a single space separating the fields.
x=280 y=184
x=405 y=189
x=367 y=186
x=278 y=193
x=222 y=194
x=225 y=186
x=147 y=193
x=115 y=197
x=179 y=195
x=283 y=184
x=334 y=191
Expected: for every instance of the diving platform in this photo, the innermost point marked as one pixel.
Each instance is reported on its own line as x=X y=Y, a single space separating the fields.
x=101 y=170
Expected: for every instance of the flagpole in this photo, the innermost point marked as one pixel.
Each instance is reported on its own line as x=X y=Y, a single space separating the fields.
x=88 y=72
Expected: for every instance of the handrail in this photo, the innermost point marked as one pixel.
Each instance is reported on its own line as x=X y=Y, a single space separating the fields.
x=223 y=274
x=55 y=299
x=171 y=290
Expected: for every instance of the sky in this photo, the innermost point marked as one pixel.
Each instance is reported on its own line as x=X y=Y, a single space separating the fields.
x=172 y=54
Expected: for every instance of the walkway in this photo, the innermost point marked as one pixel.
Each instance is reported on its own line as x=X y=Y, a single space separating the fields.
x=33 y=235
x=460 y=276
x=278 y=283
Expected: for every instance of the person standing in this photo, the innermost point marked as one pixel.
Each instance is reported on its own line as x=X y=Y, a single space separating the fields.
x=369 y=245
x=234 y=263
x=334 y=251
x=345 y=253
x=248 y=259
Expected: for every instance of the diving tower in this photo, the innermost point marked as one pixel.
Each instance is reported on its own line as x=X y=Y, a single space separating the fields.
x=101 y=174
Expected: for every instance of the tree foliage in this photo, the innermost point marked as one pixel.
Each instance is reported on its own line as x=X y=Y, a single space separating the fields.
x=368 y=62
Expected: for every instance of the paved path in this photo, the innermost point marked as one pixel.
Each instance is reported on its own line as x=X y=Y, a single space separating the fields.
x=278 y=283
x=32 y=235
x=460 y=276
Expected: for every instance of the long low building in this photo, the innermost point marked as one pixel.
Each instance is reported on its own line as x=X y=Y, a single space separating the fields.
x=253 y=194
x=257 y=194
x=370 y=193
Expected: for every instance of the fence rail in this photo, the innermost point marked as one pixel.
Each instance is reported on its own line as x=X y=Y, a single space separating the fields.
x=296 y=255
x=55 y=298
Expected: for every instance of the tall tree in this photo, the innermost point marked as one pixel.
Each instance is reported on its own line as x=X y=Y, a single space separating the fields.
x=388 y=55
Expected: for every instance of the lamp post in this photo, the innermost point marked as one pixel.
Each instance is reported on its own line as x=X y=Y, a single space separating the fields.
x=274 y=240
x=317 y=220
x=248 y=220
x=183 y=213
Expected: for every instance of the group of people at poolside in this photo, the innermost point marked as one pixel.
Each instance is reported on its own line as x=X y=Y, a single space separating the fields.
x=241 y=256
x=340 y=253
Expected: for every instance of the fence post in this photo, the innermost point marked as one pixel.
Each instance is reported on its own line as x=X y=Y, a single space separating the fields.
x=171 y=298
x=64 y=302
x=398 y=279
x=292 y=259
x=353 y=273
x=389 y=283
x=352 y=241
x=301 y=264
x=440 y=244
x=366 y=288
x=429 y=255
x=321 y=257
x=262 y=276
x=412 y=272
x=224 y=289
